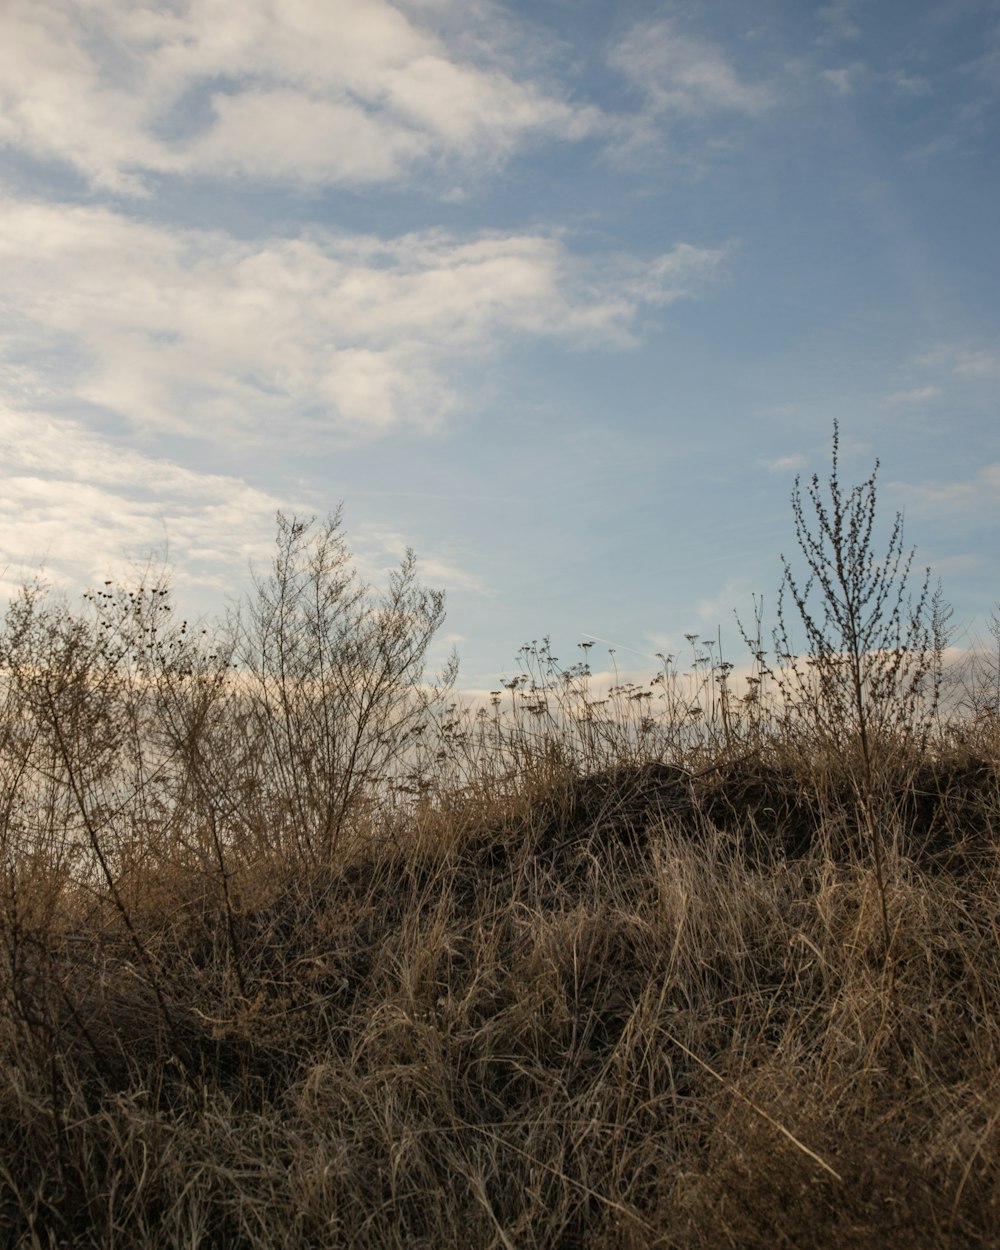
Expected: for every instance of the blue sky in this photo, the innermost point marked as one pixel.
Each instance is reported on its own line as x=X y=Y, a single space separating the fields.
x=560 y=294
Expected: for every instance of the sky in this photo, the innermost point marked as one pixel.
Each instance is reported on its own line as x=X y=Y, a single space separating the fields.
x=560 y=294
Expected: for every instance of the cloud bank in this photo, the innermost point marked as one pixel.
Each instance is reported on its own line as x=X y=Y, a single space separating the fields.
x=347 y=92
x=207 y=335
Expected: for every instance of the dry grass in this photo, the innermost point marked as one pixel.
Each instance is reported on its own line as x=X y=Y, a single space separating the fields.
x=568 y=974
x=619 y=1011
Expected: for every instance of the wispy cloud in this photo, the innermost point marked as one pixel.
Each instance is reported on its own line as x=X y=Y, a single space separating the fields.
x=838 y=22
x=681 y=75
x=916 y=395
x=977 y=364
x=384 y=548
x=910 y=84
x=209 y=335
x=972 y=493
x=785 y=464
x=969 y=363
x=843 y=79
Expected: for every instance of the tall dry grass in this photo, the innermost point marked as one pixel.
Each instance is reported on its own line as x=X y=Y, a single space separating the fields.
x=299 y=950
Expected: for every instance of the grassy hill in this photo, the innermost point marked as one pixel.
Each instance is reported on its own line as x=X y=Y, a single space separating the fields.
x=299 y=950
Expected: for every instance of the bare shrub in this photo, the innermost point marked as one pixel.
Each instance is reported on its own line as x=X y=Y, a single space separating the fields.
x=330 y=682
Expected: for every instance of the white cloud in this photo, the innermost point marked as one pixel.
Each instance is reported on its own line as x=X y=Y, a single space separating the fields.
x=974 y=494
x=977 y=364
x=785 y=464
x=842 y=79
x=385 y=548
x=53 y=102
x=202 y=333
x=683 y=75
x=917 y=395
x=677 y=274
x=86 y=507
x=965 y=362
x=283 y=135
x=343 y=91
x=910 y=84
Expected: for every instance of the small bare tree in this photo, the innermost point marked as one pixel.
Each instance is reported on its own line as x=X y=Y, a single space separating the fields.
x=873 y=656
x=868 y=681
x=979 y=678
x=330 y=673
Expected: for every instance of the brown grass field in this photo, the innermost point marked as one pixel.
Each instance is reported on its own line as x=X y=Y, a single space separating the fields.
x=298 y=950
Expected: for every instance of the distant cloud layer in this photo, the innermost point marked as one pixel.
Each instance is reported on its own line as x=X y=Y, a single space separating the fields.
x=200 y=333
x=529 y=285
x=84 y=506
